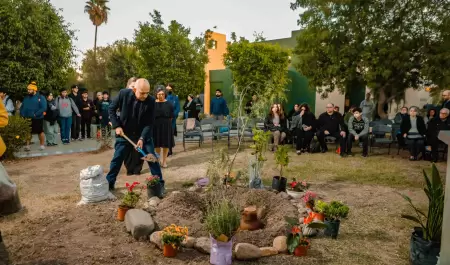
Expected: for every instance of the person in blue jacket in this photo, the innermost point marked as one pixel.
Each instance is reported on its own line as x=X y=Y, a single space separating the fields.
x=33 y=107
x=219 y=108
x=171 y=97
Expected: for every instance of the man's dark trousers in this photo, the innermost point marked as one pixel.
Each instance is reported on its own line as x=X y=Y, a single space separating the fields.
x=122 y=147
x=323 y=145
x=76 y=126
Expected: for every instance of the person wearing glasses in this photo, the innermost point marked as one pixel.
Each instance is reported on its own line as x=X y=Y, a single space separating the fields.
x=441 y=123
x=136 y=120
x=331 y=123
x=162 y=133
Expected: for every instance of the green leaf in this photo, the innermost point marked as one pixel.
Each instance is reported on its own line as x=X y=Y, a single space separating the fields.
x=317 y=225
x=291 y=220
x=412 y=218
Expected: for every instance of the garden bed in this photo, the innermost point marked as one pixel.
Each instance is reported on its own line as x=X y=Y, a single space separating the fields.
x=188 y=209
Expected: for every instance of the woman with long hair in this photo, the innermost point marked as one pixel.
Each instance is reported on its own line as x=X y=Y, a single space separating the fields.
x=190 y=107
x=303 y=125
x=162 y=131
x=277 y=124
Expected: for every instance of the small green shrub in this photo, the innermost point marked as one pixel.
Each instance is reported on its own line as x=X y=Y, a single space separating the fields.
x=15 y=135
x=334 y=210
x=223 y=218
x=282 y=157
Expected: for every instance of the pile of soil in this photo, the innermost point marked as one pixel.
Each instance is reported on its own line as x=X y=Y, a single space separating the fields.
x=188 y=209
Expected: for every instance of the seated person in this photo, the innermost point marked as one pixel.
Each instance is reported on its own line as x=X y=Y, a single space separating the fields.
x=277 y=124
x=349 y=114
x=413 y=131
x=431 y=114
x=434 y=127
x=303 y=126
x=331 y=123
x=358 y=128
x=398 y=120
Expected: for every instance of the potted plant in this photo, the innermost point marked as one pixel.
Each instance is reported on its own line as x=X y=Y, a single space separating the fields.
x=171 y=237
x=261 y=140
x=129 y=201
x=426 y=239
x=222 y=222
x=309 y=199
x=298 y=244
x=282 y=160
x=296 y=188
x=154 y=186
x=334 y=212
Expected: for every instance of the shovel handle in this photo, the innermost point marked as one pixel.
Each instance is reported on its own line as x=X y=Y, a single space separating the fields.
x=134 y=145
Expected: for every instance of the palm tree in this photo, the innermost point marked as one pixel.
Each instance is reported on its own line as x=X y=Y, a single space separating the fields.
x=98 y=14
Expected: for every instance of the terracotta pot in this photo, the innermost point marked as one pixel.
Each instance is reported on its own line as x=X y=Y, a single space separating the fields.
x=301 y=251
x=121 y=213
x=319 y=216
x=169 y=251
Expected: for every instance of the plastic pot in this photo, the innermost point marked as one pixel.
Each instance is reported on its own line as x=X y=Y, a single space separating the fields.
x=155 y=190
x=332 y=228
x=221 y=252
x=169 y=251
x=423 y=252
x=301 y=251
x=283 y=183
x=121 y=213
x=275 y=183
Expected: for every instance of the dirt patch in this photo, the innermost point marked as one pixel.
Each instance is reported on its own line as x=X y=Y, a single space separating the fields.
x=187 y=208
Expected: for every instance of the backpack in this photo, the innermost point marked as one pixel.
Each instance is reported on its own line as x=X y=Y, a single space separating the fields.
x=315 y=146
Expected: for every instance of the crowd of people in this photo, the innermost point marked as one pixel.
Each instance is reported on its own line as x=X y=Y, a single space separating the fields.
x=416 y=132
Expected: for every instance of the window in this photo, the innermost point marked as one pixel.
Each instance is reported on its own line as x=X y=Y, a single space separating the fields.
x=213 y=44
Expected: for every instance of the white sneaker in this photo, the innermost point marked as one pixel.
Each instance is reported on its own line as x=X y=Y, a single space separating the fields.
x=42 y=148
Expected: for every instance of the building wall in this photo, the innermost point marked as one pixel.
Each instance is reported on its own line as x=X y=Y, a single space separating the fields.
x=215 y=55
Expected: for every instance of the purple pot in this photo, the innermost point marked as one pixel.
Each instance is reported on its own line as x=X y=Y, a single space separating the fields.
x=202 y=182
x=221 y=252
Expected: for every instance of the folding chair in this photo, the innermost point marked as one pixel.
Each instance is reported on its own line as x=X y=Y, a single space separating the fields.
x=194 y=135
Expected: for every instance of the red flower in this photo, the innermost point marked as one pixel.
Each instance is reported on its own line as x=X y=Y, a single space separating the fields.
x=131 y=187
x=295 y=230
x=293 y=184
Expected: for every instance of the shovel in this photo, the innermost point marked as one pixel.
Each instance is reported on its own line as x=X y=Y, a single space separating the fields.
x=145 y=156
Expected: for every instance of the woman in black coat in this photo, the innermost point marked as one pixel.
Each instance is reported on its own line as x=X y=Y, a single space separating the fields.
x=413 y=130
x=190 y=107
x=305 y=133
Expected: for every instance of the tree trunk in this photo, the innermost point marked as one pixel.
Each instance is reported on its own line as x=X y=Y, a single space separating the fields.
x=380 y=104
x=95 y=44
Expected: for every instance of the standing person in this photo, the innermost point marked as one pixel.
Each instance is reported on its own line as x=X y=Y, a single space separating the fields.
x=190 y=110
x=133 y=162
x=358 y=129
x=7 y=101
x=76 y=120
x=50 y=118
x=98 y=98
x=198 y=106
x=367 y=107
x=87 y=112
x=137 y=117
x=219 y=108
x=445 y=99
x=162 y=132
x=103 y=114
x=331 y=123
x=33 y=107
x=250 y=103
x=171 y=97
x=66 y=106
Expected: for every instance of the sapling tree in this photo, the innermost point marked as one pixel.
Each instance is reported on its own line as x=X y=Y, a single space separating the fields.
x=282 y=158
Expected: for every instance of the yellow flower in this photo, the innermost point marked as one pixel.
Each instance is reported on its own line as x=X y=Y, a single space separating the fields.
x=17 y=136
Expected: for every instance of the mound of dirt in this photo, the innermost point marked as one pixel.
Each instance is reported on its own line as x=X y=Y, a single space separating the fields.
x=187 y=209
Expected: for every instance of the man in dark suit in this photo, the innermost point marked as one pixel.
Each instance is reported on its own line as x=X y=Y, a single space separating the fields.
x=136 y=121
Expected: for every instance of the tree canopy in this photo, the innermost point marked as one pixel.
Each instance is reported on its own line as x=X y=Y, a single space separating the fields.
x=94 y=68
x=35 y=44
x=168 y=55
x=388 y=45
x=123 y=63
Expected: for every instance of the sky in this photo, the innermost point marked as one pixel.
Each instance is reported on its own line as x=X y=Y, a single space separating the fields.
x=272 y=17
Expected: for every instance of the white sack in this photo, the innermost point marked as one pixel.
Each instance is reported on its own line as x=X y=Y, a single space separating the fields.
x=93 y=185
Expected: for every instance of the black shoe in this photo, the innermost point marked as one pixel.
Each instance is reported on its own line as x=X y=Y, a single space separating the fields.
x=111 y=186
x=364 y=155
x=130 y=174
x=324 y=150
x=137 y=173
x=343 y=155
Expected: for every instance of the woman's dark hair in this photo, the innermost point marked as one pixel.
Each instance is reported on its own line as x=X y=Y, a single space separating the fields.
x=62 y=90
x=306 y=106
x=432 y=109
x=171 y=85
x=160 y=88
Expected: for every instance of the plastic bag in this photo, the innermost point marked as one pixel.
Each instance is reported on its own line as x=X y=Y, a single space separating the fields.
x=93 y=186
x=221 y=252
x=9 y=197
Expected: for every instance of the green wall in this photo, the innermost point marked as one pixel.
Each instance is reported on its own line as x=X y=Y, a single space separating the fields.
x=297 y=88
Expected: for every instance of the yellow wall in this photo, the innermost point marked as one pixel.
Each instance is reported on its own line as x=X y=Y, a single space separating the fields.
x=215 y=63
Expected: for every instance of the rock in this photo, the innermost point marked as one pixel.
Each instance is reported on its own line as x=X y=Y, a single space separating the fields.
x=284 y=195
x=176 y=192
x=154 y=201
x=245 y=251
x=150 y=209
x=268 y=251
x=155 y=238
x=195 y=189
x=189 y=242
x=203 y=244
x=279 y=243
x=139 y=223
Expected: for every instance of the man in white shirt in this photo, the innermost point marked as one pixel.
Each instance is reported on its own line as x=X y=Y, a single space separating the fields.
x=367 y=107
